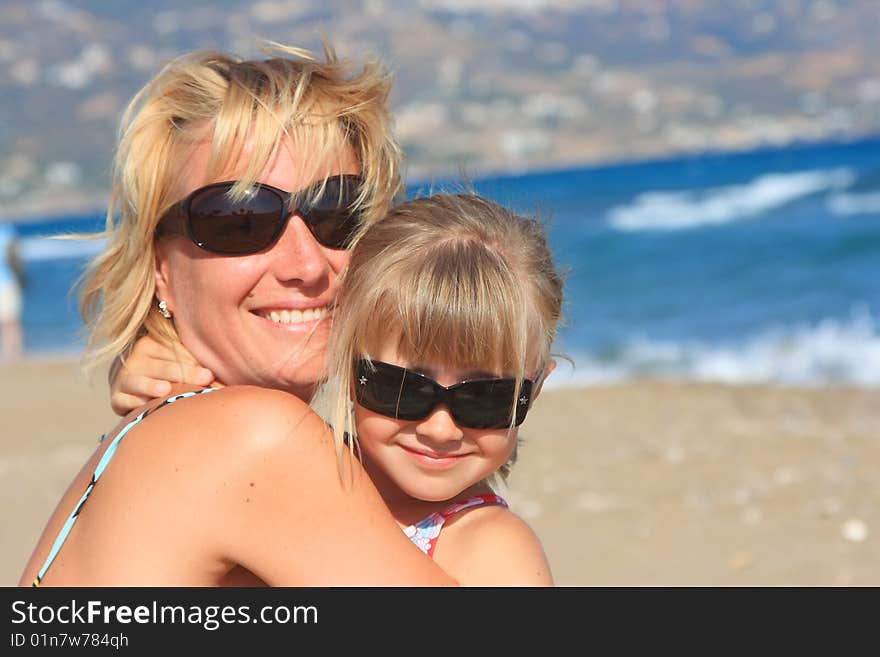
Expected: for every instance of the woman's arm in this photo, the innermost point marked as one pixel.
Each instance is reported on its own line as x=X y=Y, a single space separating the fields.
x=273 y=500
x=148 y=372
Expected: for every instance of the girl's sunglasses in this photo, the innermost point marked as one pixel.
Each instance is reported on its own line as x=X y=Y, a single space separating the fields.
x=406 y=395
x=218 y=224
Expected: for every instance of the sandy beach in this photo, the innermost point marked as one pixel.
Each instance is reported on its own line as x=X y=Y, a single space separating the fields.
x=644 y=483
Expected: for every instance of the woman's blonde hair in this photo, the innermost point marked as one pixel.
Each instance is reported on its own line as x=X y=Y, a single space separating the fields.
x=247 y=108
x=451 y=278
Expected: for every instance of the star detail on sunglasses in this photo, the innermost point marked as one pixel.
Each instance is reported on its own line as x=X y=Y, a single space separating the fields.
x=363 y=380
x=523 y=400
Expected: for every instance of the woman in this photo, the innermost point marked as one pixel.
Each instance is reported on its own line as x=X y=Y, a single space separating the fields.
x=239 y=486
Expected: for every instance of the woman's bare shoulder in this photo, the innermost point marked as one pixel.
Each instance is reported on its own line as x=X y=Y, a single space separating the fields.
x=188 y=483
x=248 y=476
x=223 y=435
x=242 y=417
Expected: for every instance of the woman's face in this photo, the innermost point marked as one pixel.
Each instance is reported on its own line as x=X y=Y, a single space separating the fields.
x=259 y=319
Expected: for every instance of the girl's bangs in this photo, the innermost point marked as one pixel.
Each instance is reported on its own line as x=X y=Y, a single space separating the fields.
x=472 y=322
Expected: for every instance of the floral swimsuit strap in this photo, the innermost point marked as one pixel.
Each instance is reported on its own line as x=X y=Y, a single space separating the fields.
x=425 y=532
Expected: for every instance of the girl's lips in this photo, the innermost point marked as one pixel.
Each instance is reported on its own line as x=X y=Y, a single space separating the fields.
x=434 y=460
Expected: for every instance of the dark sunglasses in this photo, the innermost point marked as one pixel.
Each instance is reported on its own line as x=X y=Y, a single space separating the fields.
x=218 y=224
x=401 y=393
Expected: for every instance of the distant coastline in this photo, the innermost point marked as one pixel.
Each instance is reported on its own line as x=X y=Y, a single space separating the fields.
x=480 y=89
x=35 y=208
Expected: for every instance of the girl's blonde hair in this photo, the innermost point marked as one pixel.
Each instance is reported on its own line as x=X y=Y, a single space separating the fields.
x=451 y=278
x=246 y=109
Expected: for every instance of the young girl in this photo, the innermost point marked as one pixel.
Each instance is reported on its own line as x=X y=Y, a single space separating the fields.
x=441 y=340
x=440 y=344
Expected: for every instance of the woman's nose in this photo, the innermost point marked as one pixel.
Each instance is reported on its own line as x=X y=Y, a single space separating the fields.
x=299 y=256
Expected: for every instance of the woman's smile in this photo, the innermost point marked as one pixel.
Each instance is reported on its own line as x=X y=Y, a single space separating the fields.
x=294 y=318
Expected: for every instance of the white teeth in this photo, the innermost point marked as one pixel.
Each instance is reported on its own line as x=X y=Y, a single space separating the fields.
x=294 y=316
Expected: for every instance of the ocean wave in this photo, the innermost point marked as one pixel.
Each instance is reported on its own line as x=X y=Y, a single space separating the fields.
x=720 y=205
x=843 y=205
x=834 y=351
x=35 y=249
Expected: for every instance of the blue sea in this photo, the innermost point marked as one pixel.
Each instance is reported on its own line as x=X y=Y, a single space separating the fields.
x=742 y=267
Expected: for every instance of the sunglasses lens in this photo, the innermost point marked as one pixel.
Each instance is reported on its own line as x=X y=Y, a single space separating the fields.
x=485 y=404
x=221 y=224
x=333 y=228
x=392 y=391
x=333 y=219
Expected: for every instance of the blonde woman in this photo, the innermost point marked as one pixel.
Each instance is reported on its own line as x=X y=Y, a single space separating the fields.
x=238 y=188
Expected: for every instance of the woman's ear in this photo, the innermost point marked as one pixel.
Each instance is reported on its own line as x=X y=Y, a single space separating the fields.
x=539 y=383
x=162 y=272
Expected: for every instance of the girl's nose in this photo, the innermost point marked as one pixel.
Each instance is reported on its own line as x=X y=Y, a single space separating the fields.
x=440 y=426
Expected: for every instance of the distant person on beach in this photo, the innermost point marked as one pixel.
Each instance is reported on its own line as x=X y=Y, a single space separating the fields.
x=11 y=286
x=240 y=187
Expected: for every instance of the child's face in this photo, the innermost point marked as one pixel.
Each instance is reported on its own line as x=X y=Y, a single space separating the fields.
x=433 y=459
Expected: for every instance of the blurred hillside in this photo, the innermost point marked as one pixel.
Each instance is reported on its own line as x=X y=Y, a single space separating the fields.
x=484 y=85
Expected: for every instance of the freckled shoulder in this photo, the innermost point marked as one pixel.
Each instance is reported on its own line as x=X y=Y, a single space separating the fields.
x=254 y=417
x=224 y=434
x=186 y=480
x=245 y=418
x=237 y=461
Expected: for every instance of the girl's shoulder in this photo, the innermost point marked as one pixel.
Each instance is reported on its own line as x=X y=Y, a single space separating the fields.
x=481 y=517
x=490 y=545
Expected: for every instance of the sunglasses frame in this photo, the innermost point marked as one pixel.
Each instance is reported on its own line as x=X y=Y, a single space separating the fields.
x=177 y=219
x=442 y=394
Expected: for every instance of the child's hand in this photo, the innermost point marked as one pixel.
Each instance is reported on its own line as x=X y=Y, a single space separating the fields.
x=149 y=371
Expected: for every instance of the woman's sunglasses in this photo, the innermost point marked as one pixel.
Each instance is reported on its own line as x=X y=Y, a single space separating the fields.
x=219 y=224
x=406 y=395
